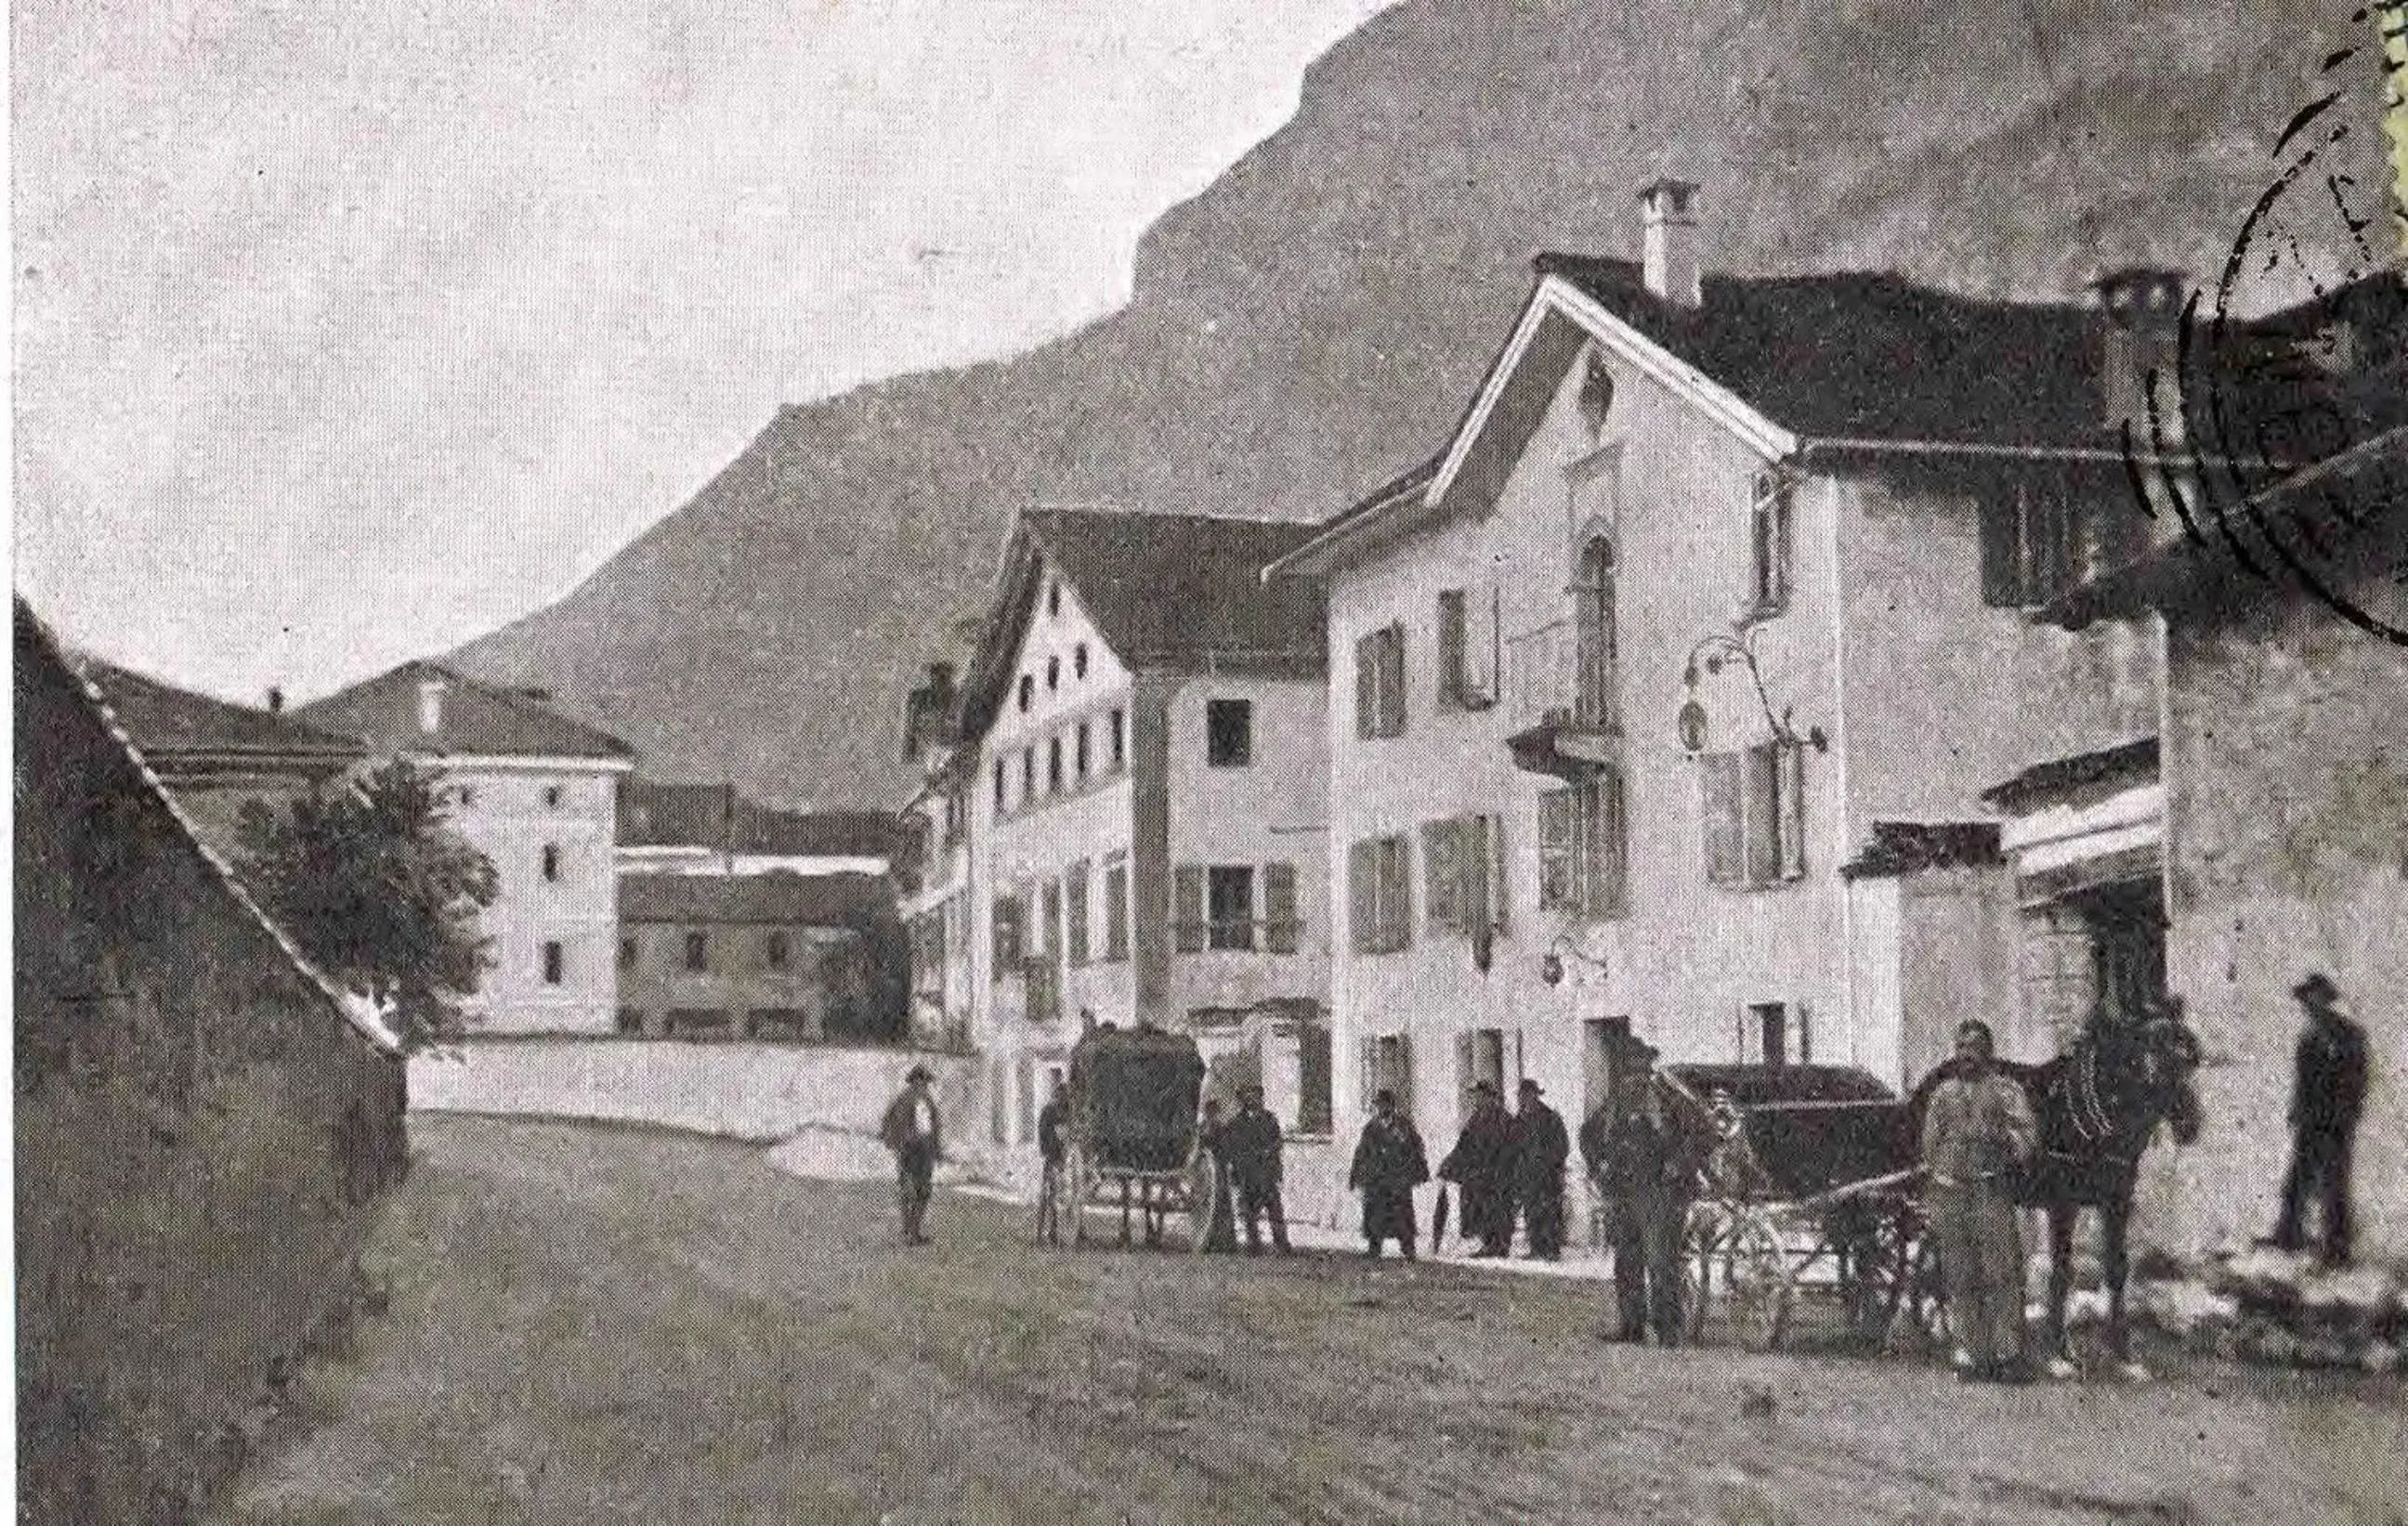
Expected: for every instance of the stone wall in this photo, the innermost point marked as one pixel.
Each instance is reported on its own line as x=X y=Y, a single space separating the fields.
x=201 y=1131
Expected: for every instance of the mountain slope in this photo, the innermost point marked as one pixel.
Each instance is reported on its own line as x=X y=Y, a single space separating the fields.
x=1317 y=318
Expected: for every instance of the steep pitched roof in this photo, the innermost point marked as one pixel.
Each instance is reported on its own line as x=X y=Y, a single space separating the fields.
x=1169 y=593
x=167 y=722
x=478 y=720
x=657 y=814
x=777 y=897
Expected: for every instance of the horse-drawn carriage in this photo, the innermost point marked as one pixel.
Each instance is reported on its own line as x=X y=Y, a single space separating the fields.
x=1807 y=1180
x=1132 y=1139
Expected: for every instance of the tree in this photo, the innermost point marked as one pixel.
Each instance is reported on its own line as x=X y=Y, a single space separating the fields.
x=380 y=892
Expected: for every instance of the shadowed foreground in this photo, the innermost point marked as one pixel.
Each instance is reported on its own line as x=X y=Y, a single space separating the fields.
x=602 y=1325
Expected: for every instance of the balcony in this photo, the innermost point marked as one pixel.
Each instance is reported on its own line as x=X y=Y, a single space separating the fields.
x=1559 y=692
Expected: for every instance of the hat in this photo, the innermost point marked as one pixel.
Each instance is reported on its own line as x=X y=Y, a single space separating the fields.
x=1487 y=1087
x=1383 y=1098
x=2317 y=990
x=1976 y=1028
x=918 y=1072
x=1531 y=1084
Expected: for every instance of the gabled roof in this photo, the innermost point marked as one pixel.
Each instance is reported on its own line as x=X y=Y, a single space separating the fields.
x=2126 y=762
x=478 y=720
x=655 y=814
x=1168 y=593
x=777 y=897
x=169 y=723
x=1905 y=848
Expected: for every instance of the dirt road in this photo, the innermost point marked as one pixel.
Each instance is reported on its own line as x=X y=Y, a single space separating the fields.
x=610 y=1326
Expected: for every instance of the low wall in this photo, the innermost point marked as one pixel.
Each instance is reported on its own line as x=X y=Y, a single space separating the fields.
x=738 y=1090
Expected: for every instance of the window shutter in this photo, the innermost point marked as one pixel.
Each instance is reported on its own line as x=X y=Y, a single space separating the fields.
x=1762 y=813
x=1450 y=643
x=1725 y=852
x=1392 y=682
x=1074 y=911
x=1366 y=686
x=1802 y=1023
x=1443 y=868
x=1496 y=869
x=1279 y=907
x=1404 y=1079
x=2052 y=522
x=1047 y=941
x=1790 y=761
x=1558 y=871
x=1483 y=636
x=2001 y=577
x=1400 y=892
x=1187 y=914
x=1609 y=826
x=1466 y=1070
x=1366 y=1075
x=1362 y=910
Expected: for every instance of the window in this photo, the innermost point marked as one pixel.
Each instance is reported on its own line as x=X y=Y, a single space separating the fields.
x=1380 y=684
x=1082 y=759
x=1027 y=691
x=1052 y=599
x=1480 y=1056
x=1313 y=1100
x=1755 y=823
x=1467 y=664
x=999 y=784
x=1116 y=910
x=1047 y=943
x=552 y=861
x=631 y=1023
x=1228 y=732
x=1007 y=936
x=1282 y=925
x=697 y=951
x=1769 y=536
x=1229 y=905
x=1120 y=739
x=1593 y=615
x=1054 y=765
x=1079 y=660
x=1074 y=912
x=2029 y=543
x=555 y=963
x=1379 y=884
x=1052 y=674
x=1585 y=846
x=468 y=794
x=552 y=796
x=774 y=950
x=1775 y=1034
x=1463 y=873
x=1027 y=773
x=627 y=951
x=1388 y=1066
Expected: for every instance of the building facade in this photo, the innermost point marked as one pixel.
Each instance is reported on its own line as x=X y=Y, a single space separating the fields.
x=1715 y=602
x=536 y=792
x=1137 y=766
x=711 y=829
x=772 y=956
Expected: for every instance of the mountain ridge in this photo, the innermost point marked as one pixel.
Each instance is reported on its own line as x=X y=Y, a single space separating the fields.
x=1314 y=320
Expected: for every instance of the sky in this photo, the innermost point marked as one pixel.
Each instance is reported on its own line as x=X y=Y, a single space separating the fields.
x=346 y=332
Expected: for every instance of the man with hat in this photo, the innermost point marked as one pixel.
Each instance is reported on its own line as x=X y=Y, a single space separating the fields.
x=1388 y=1164
x=914 y=1131
x=1540 y=1147
x=1251 y=1145
x=1978 y=1134
x=2327 y=1094
x=1629 y=1155
x=1480 y=1165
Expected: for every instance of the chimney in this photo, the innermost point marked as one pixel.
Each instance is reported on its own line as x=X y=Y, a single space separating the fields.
x=275 y=701
x=930 y=706
x=2141 y=310
x=430 y=704
x=1668 y=214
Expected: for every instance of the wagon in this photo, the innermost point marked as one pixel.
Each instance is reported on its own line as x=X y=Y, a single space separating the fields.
x=1808 y=1188
x=1132 y=1139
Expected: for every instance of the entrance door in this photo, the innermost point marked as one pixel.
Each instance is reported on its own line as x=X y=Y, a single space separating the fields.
x=2128 y=948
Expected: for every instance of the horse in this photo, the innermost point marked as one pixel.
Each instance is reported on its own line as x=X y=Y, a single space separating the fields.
x=2098 y=1107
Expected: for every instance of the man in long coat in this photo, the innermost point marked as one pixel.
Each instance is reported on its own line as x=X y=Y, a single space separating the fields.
x=1540 y=1147
x=1480 y=1165
x=2327 y=1094
x=1978 y=1134
x=1251 y=1147
x=1629 y=1154
x=914 y=1131
x=1388 y=1164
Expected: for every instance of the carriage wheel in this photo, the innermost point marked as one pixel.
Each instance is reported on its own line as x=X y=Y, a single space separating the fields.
x=1755 y=1281
x=1079 y=1183
x=1203 y=1190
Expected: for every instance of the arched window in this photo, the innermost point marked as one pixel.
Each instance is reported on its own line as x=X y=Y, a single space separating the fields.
x=1593 y=618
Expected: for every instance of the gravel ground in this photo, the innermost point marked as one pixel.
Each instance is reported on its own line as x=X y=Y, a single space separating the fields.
x=607 y=1325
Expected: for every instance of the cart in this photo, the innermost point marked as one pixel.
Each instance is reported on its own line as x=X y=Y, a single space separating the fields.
x=1132 y=1140
x=1807 y=1188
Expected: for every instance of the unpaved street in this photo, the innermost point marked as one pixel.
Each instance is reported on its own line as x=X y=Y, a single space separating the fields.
x=603 y=1325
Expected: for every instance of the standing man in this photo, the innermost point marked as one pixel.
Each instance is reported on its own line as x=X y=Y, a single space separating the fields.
x=1213 y=1140
x=914 y=1132
x=1052 y=1150
x=1540 y=1147
x=1254 y=1148
x=1978 y=1133
x=1630 y=1158
x=1388 y=1164
x=1481 y=1164
x=2327 y=1092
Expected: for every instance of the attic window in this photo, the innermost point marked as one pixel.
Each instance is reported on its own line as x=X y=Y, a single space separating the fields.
x=1596 y=395
x=552 y=796
x=1027 y=691
x=1052 y=600
x=1079 y=660
x=1052 y=674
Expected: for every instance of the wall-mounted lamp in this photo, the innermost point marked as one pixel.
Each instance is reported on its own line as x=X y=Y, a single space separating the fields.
x=1551 y=964
x=1712 y=655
